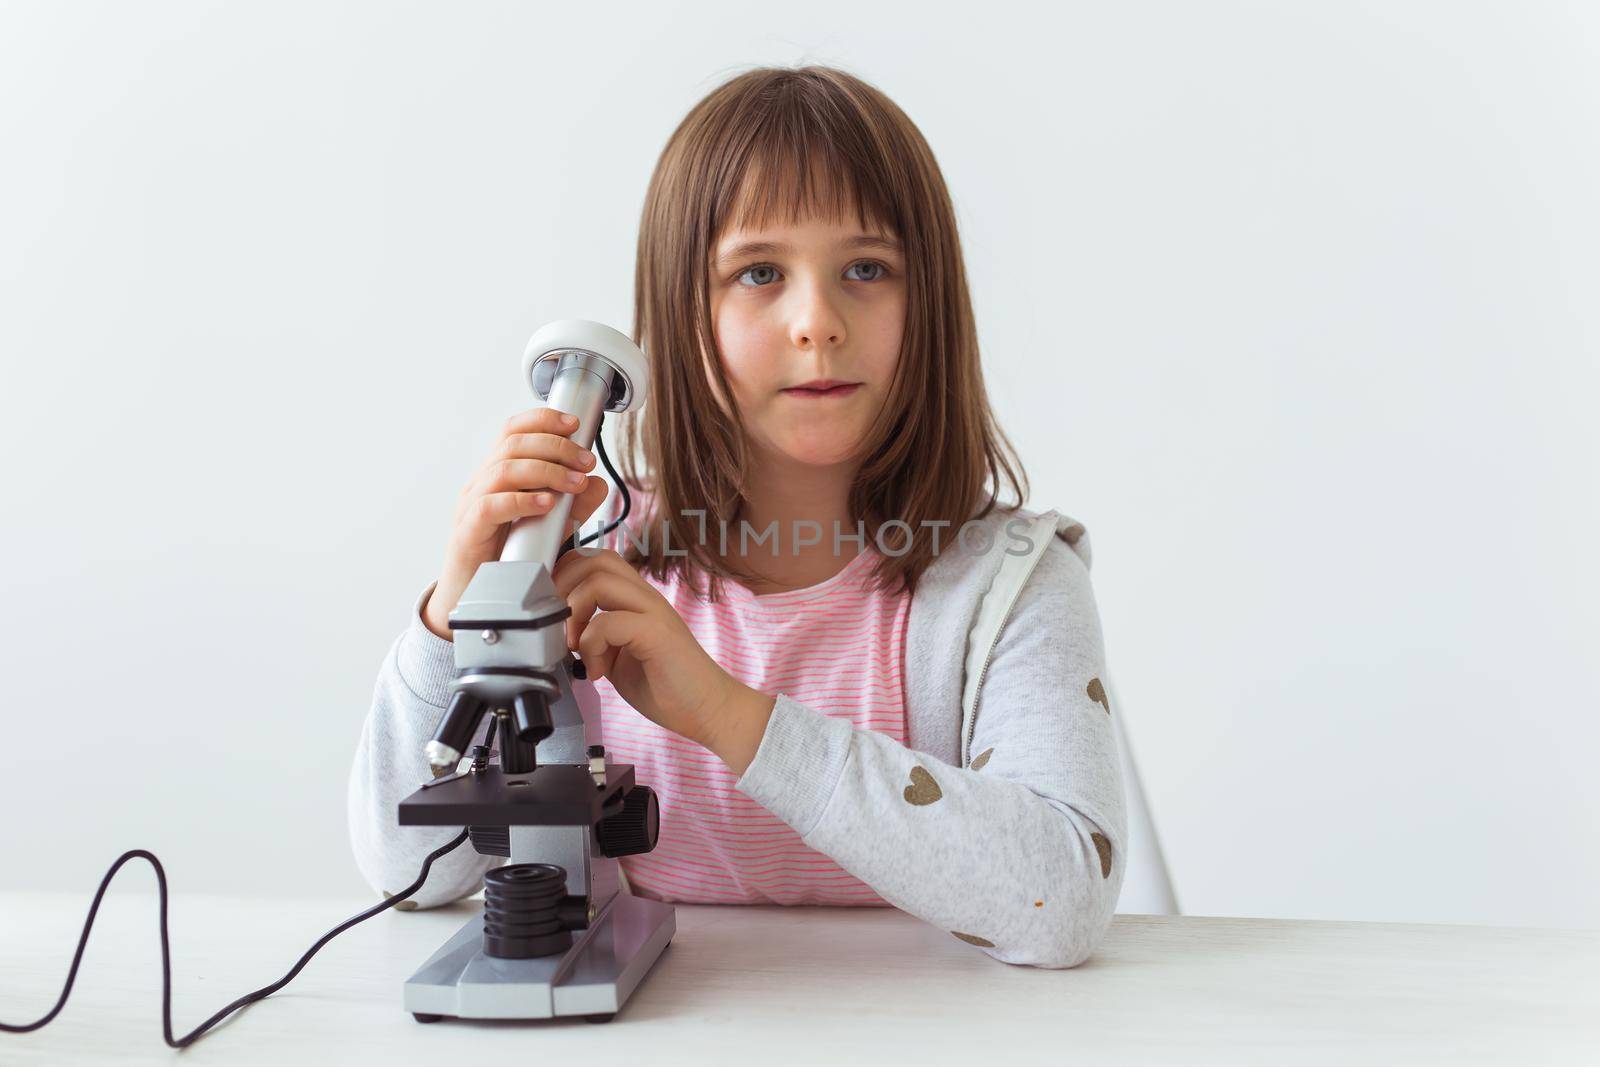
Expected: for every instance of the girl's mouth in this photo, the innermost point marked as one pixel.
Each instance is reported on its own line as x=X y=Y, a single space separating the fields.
x=835 y=391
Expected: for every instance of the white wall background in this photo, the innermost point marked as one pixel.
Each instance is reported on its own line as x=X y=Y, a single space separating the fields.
x=1293 y=305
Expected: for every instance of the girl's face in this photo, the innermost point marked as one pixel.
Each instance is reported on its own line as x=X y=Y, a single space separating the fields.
x=817 y=301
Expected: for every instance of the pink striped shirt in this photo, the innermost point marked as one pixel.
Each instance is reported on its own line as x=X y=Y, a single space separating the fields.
x=837 y=647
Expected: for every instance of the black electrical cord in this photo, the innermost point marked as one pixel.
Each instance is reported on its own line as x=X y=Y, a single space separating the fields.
x=573 y=541
x=605 y=461
x=161 y=874
x=166 y=952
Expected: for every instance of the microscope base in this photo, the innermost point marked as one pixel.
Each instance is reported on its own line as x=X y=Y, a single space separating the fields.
x=593 y=978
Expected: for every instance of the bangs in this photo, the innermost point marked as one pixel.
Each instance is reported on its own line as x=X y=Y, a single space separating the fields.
x=792 y=171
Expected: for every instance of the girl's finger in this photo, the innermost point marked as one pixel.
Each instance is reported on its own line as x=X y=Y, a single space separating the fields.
x=588 y=501
x=603 y=591
x=488 y=513
x=549 y=446
x=546 y=423
x=537 y=420
x=578 y=564
x=606 y=636
x=532 y=474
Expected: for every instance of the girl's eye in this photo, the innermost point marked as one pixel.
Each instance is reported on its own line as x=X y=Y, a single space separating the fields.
x=759 y=267
x=764 y=273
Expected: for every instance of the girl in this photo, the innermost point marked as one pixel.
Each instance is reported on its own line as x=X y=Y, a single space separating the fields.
x=781 y=646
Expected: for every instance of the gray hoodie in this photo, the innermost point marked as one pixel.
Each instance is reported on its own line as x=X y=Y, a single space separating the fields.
x=1003 y=818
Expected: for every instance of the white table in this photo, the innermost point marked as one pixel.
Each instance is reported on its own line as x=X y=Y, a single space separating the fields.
x=814 y=986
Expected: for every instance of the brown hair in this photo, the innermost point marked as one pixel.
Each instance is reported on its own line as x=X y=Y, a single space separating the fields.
x=820 y=140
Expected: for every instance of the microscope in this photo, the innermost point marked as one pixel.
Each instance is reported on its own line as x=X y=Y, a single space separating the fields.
x=558 y=934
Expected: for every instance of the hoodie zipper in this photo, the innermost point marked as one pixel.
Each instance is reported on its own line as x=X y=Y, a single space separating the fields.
x=972 y=726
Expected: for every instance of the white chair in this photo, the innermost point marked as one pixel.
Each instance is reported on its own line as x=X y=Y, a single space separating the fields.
x=1146 y=884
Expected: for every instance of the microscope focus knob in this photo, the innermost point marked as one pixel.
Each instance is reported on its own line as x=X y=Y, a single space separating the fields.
x=632 y=830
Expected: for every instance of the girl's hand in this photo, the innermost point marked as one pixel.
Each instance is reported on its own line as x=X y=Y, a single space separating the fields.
x=533 y=454
x=640 y=643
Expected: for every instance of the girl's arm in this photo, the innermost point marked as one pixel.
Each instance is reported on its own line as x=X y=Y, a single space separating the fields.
x=408 y=702
x=1021 y=854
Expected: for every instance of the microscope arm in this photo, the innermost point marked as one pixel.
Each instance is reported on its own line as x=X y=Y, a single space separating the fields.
x=509 y=623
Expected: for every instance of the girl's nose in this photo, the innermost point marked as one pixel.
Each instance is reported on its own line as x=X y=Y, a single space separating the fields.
x=816 y=323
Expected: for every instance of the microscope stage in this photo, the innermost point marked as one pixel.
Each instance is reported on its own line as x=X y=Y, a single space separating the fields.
x=555 y=794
